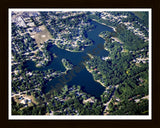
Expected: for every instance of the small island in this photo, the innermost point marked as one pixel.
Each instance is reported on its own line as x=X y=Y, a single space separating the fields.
x=67 y=64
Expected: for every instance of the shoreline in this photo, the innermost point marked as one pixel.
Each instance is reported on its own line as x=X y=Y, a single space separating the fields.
x=66 y=66
x=90 y=71
x=72 y=50
x=118 y=40
x=67 y=49
x=90 y=55
x=101 y=36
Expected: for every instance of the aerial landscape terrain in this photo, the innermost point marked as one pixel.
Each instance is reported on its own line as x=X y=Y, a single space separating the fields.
x=79 y=63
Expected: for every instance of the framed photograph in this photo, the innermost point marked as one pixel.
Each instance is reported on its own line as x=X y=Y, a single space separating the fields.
x=79 y=63
x=92 y=64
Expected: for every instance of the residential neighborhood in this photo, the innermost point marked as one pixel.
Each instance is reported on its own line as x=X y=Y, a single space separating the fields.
x=59 y=68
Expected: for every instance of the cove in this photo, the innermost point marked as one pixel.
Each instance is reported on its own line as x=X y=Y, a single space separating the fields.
x=83 y=77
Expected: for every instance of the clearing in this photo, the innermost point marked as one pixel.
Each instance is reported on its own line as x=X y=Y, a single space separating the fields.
x=42 y=36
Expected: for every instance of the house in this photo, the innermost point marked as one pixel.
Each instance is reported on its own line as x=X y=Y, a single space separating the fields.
x=36 y=29
x=21 y=98
x=24 y=101
x=141 y=80
x=137 y=100
x=117 y=99
x=29 y=100
x=26 y=105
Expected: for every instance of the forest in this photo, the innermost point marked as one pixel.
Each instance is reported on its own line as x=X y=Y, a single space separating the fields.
x=119 y=69
x=73 y=101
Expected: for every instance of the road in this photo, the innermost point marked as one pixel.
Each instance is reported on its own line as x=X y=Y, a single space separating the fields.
x=107 y=104
x=13 y=94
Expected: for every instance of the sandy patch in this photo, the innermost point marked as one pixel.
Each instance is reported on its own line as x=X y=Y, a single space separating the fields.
x=41 y=36
x=118 y=40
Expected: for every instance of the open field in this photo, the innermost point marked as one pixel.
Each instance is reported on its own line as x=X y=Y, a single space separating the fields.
x=26 y=97
x=139 y=14
x=42 y=36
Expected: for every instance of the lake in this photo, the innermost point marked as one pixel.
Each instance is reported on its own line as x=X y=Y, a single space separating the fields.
x=81 y=77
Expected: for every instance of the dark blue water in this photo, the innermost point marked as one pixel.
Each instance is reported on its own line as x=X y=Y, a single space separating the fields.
x=81 y=76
